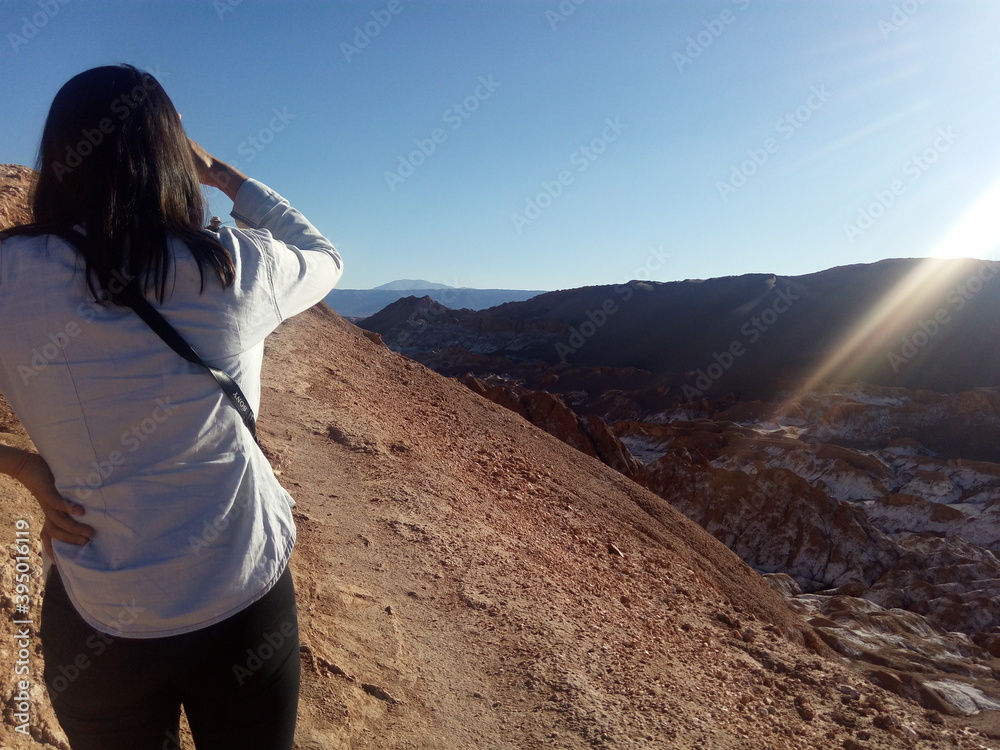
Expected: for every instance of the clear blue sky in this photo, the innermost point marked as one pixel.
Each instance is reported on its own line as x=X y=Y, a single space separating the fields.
x=680 y=139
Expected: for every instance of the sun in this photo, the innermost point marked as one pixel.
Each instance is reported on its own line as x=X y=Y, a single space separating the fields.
x=976 y=234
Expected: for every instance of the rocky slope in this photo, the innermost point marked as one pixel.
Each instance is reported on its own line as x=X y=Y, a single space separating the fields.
x=468 y=581
x=890 y=553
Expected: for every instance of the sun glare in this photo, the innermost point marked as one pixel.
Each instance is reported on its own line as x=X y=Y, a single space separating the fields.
x=977 y=233
x=910 y=303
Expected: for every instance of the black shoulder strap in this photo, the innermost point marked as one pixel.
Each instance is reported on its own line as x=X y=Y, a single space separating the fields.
x=133 y=297
x=138 y=302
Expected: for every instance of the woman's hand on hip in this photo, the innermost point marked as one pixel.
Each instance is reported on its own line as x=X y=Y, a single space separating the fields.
x=59 y=512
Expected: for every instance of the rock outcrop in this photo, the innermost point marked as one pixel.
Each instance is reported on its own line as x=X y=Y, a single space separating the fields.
x=588 y=434
x=777 y=522
x=16 y=183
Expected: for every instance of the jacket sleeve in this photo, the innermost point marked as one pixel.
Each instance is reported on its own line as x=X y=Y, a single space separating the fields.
x=303 y=266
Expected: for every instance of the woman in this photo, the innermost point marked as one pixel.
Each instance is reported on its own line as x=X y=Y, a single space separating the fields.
x=176 y=590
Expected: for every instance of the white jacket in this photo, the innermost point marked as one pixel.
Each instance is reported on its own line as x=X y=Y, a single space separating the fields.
x=191 y=525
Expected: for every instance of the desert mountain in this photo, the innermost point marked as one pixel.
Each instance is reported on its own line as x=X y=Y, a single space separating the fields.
x=467 y=580
x=911 y=323
x=362 y=303
x=411 y=284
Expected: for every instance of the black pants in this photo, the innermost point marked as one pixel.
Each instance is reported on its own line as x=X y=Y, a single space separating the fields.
x=238 y=680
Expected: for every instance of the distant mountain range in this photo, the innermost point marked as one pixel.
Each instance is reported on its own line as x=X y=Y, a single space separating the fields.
x=362 y=303
x=412 y=284
x=912 y=323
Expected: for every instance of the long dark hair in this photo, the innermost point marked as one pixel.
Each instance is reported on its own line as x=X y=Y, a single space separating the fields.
x=114 y=158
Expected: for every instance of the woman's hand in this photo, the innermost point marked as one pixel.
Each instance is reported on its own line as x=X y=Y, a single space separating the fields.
x=216 y=173
x=59 y=512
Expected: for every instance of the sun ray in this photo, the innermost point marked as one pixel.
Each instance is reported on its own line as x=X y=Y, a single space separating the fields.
x=975 y=237
x=911 y=301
